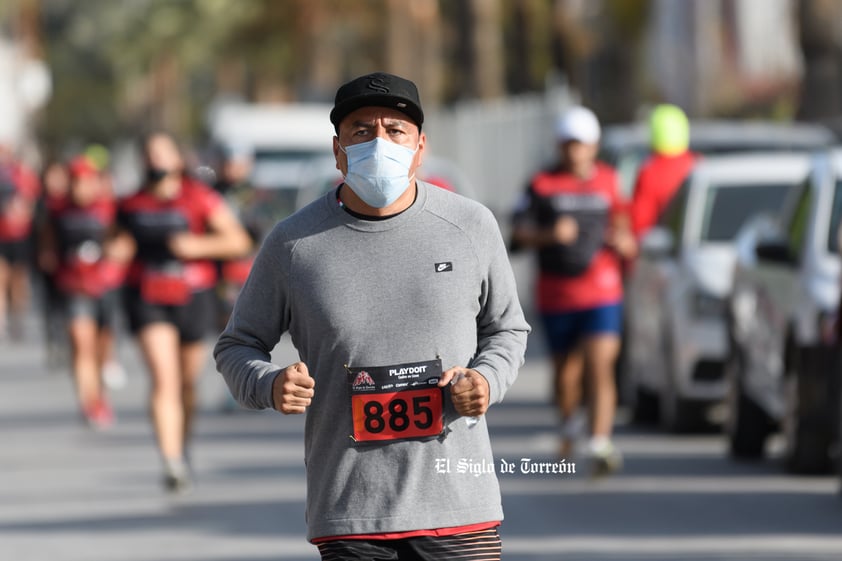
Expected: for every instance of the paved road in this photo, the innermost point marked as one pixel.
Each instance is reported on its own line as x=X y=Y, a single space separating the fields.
x=69 y=494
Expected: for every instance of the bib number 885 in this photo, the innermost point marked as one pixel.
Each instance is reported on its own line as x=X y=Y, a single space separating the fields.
x=394 y=416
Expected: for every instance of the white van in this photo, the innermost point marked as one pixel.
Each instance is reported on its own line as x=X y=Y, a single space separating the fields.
x=284 y=139
x=290 y=144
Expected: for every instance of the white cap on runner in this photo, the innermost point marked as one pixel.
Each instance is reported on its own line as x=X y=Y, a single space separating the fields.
x=578 y=123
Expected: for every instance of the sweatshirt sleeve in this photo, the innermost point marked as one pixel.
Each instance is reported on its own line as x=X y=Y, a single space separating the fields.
x=260 y=317
x=501 y=327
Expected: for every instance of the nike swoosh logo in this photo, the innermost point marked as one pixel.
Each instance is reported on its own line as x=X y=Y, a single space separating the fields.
x=442 y=267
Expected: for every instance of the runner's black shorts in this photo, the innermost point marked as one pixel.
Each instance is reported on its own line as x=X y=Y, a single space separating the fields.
x=102 y=309
x=193 y=320
x=16 y=252
x=483 y=545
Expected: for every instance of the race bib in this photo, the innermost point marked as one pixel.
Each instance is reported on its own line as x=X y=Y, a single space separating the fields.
x=396 y=402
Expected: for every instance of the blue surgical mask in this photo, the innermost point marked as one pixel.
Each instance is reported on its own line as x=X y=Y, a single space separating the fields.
x=378 y=171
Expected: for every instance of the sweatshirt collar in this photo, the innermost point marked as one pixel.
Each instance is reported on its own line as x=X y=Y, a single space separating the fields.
x=390 y=223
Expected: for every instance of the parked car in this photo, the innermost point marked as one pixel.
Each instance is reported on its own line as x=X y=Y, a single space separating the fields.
x=783 y=369
x=676 y=338
x=626 y=146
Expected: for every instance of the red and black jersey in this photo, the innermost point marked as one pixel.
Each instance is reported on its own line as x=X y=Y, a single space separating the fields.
x=77 y=226
x=153 y=221
x=19 y=191
x=80 y=234
x=585 y=273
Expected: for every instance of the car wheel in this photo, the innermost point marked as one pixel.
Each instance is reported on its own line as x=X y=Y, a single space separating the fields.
x=747 y=424
x=807 y=439
x=642 y=402
x=644 y=406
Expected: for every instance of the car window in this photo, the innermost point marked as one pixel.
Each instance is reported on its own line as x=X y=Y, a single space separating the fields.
x=674 y=215
x=835 y=216
x=727 y=207
x=796 y=228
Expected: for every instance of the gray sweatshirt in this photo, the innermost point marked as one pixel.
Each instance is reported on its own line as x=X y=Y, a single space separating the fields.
x=431 y=282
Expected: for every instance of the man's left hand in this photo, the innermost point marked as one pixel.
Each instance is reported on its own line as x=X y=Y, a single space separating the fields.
x=470 y=392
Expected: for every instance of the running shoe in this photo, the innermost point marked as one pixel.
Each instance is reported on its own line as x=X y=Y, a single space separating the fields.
x=572 y=430
x=177 y=478
x=605 y=458
x=99 y=414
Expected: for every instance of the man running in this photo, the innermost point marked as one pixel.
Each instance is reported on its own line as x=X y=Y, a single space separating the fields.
x=572 y=215
x=401 y=301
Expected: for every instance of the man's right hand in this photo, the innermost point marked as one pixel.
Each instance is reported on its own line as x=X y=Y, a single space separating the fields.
x=292 y=390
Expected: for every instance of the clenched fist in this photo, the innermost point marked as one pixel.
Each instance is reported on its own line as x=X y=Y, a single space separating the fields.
x=470 y=393
x=292 y=390
x=565 y=230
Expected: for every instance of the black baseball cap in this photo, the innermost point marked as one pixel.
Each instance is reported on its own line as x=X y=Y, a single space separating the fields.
x=377 y=90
